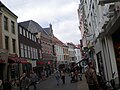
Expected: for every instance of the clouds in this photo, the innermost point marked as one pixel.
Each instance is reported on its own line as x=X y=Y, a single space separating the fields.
x=62 y=14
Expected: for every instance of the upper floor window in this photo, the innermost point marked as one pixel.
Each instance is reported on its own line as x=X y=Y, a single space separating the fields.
x=20 y=30
x=24 y=32
x=22 y=50
x=12 y=27
x=7 y=42
x=27 y=34
x=5 y=23
x=30 y=35
x=14 y=45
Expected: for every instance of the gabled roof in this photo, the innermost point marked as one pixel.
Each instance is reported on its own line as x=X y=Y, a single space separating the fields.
x=56 y=40
x=33 y=27
x=48 y=30
x=2 y=5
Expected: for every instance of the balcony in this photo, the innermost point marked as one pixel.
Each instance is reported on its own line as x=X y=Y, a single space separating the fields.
x=101 y=2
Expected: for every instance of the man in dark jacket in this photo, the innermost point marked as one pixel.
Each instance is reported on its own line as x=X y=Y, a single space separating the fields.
x=91 y=78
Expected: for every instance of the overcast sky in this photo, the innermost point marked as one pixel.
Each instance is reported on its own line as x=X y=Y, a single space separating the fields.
x=62 y=14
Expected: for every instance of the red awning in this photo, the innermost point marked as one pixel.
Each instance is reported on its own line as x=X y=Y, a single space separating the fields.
x=17 y=60
x=2 y=61
x=13 y=59
x=23 y=60
x=40 y=63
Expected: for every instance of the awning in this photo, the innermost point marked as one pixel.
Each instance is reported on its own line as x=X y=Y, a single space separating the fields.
x=40 y=63
x=2 y=61
x=13 y=59
x=17 y=60
x=23 y=60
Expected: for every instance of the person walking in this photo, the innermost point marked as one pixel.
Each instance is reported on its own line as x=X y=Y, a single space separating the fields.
x=63 y=76
x=57 y=76
x=33 y=79
x=1 y=84
x=80 y=72
x=91 y=77
x=24 y=82
x=7 y=85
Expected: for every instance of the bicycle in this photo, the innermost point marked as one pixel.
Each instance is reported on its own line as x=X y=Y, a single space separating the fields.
x=111 y=85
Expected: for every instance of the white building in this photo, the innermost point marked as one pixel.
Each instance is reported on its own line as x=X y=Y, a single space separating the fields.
x=103 y=33
x=59 y=51
x=71 y=49
x=78 y=54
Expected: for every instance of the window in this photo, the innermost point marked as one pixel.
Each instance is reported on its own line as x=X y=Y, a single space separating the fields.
x=36 y=53
x=30 y=35
x=7 y=42
x=24 y=32
x=27 y=34
x=5 y=23
x=28 y=51
x=20 y=30
x=14 y=45
x=22 y=50
x=25 y=48
x=31 y=52
x=12 y=27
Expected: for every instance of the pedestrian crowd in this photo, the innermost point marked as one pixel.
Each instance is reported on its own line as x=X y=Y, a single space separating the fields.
x=25 y=82
x=75 y=73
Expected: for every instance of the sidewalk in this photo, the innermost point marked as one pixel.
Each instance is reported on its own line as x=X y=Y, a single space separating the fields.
x=82 y=85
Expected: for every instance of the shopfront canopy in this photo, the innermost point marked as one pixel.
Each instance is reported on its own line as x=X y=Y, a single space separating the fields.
x=40 y=62
x=2 y=61
x=23 y=60
x=17 y=60
x=13 y=59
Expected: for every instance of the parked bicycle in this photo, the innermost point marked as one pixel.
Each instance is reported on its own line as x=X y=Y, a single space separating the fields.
x=110 y=85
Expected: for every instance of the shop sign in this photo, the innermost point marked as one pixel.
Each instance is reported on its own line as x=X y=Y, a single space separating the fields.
x=49 y=62
x=34 y=64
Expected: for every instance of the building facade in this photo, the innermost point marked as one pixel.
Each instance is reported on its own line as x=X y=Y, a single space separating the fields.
x=78 y=53
x=66 y=54
x=30 y=49
x=59 y=51
x=102 y=25
x=8 y=38
x=71 y=49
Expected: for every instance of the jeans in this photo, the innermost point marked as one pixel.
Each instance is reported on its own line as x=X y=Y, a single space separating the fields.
x=34 y=84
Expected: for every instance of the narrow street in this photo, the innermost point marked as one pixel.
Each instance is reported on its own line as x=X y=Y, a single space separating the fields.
x=50 y=84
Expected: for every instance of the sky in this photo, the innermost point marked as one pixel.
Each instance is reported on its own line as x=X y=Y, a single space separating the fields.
x=62 y=14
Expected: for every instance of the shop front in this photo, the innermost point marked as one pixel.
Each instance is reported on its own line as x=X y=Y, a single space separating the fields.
x=16 y=66
x=116 y=43
x=40 y=67
x=3 y=64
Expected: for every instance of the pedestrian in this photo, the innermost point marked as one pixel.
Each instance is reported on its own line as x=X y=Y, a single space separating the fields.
x=57 y=76
x=6 y=85
x=63 y=76
x=33 y=79
x=1 y=84
x=80 y=72
x=24 y=85
x=91 y=77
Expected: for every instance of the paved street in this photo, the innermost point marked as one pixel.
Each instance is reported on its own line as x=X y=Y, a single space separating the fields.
x=50 y=84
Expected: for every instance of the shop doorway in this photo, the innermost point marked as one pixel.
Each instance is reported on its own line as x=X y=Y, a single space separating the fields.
x=116 y=43
x=100 y=65
x=1 y=71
